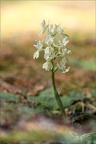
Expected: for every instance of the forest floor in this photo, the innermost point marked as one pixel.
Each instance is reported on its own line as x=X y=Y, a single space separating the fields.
x=28 y=105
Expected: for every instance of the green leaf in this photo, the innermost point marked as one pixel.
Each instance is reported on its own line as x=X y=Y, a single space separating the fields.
x=8 y=97
x=47 y=92
x=93 y=93
x=76 y=95
x=47 y=98
x=88 y=64
x=85 y=64
x=94 y=104
x=71 y=98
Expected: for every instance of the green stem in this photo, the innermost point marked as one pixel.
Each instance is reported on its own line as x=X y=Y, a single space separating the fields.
x=56 y=93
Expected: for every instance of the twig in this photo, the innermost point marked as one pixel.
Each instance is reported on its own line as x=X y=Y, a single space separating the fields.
x=8 y=86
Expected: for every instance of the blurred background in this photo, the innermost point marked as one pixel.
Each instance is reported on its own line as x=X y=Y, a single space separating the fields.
x=22 y=78
x=19 y=17
x=20 y=26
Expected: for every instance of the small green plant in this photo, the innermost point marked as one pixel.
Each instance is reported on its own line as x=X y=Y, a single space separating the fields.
x=55 y=53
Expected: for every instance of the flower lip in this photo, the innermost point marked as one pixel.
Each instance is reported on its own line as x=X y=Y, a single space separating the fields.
x=36 y=55
x=39 y=45
x=47 y=66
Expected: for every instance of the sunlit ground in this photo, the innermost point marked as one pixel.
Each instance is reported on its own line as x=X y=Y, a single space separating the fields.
x=25 y=16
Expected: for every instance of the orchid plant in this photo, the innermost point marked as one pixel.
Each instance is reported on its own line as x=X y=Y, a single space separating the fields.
x=55 y=53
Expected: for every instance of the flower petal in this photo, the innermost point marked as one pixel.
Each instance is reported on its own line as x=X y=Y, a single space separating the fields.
x=47 y=66
x=36 y=55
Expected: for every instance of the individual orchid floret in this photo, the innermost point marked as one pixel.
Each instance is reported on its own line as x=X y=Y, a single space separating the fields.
x=44 y=27
x=49 y=40
x=36 y=55
x=65 y=52
x=49 y=53
x=60 y=30
x=62 y=65
x=47 y=66
x=49 y=50
x=52 y=30
x=65 y=41
x=39 y=47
